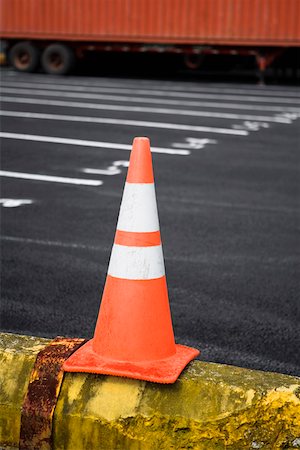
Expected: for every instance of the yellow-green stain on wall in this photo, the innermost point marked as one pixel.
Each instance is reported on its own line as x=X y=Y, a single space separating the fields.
x=17 y=357
x=211 y=406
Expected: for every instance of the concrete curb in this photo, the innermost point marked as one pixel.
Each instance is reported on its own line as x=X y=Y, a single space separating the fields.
x=211 y=406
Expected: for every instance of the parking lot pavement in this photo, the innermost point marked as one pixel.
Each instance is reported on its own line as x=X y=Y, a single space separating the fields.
x=226 y=160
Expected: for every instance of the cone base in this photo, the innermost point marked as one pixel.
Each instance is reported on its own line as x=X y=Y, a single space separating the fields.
x=158 y=371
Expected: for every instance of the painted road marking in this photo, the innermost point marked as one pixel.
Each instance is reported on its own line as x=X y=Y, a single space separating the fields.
x=177 y=93
x=121 y=163
x=106 y=107
x=262 y=92
x=291 y=116
x=24 y=240
x=143 y=100
x=14 y=202
x=195 y=143
x=168 y=85
x=111 y=170
x=268 y=91
x=95 y=144
x=251 y=126
x=52 y=179
x=278 y=109
x=133 y=123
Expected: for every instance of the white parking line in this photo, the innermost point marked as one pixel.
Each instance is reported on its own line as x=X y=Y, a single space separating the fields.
x=202 y=95
x=15 y=202
x=218 y=105
x=105 y=107
x=84 y=143
x=51 y=179
x=25 y=240
x=135 y=123
x=108 y=172
x=132 y=99
x=266 y=91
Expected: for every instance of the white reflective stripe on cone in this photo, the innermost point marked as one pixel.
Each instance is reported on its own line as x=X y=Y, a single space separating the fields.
x=138 y=212
x=136 y=263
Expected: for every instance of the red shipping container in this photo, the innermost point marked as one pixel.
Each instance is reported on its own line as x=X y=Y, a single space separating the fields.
x=208 y=22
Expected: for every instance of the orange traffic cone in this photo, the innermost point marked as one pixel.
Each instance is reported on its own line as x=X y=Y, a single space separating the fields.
x=134 y=335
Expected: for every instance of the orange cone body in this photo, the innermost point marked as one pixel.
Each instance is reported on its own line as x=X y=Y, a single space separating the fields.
x=134 y=334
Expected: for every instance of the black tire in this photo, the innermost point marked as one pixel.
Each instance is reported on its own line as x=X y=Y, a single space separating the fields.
x=193 y=61
x=58 y=59
x=24 y=57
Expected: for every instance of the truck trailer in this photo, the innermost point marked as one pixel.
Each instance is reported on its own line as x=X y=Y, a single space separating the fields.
x=54 y=33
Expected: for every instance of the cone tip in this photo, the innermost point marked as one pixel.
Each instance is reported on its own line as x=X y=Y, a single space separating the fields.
x=141 y=140
x=140 y=166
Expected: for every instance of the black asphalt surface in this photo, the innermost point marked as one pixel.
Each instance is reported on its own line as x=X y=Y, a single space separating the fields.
x=228 y=210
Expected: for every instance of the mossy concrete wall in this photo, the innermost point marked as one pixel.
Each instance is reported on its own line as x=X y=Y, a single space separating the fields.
x=211 y=406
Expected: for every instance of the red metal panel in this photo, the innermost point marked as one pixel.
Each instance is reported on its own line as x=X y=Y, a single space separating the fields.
x=294 y=25
x=232 y=22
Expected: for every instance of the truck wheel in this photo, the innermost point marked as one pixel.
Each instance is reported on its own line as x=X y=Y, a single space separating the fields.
x=193 y=61
x=58 y=59
x=24 y=57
